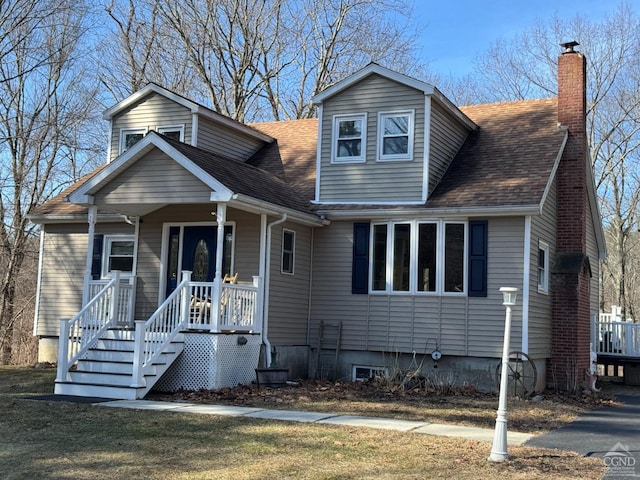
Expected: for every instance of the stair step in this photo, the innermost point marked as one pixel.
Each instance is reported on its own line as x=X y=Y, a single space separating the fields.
x=92 y=390
x=100 y=378
x=102 y=366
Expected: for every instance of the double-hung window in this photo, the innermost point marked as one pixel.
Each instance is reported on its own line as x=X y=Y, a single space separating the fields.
x=175 y=132
x=130 y=136
x=395 y=135
x=543 y=267
x=349 y=138
x=419 y=257
x=119 y=252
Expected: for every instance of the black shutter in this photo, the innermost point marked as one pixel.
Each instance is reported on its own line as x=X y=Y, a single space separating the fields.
x=96 y=259
x=478 y=230
x=360 y=267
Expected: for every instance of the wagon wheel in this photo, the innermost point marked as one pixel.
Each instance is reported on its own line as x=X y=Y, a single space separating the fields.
x=522 y=375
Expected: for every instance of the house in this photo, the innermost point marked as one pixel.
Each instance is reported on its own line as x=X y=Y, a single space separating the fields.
x=373 y=236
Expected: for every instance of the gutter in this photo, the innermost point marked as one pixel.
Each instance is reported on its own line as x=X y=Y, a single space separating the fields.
x=265 y=300
x=368 y=213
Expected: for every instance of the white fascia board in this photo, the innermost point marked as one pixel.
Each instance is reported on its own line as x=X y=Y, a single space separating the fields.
x=245 y=202
x=552 y=177
x=466 y=212
x=596 y=216
x=370 y=69
x=452 y=108
x=150 y=141
x=74 y=218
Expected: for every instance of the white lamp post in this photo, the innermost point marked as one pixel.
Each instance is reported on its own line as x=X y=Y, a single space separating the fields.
x=499 y=448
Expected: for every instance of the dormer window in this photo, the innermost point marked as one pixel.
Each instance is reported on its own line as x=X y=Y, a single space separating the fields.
x=395 y=135
x=130 y=136
x=174 y=132
x=349 y=134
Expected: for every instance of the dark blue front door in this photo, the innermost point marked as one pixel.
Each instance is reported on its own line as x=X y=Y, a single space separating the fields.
x=198 y=254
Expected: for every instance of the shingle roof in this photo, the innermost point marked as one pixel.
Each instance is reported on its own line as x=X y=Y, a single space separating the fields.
x=507 y=161
x=293 y=155
x=243 y=178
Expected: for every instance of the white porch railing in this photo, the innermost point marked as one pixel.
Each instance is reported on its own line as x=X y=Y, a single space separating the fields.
x=126 y=298
x=81 y=332
x=190 y=305
x=615 y=337
x=237 y=310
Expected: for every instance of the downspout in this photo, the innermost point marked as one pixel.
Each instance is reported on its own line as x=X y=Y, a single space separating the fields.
x=526 y=277
x=267 y=278
x=36 y=310
x=91 y=219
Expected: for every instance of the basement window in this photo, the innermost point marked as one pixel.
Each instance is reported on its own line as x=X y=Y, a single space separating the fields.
x=362 y=373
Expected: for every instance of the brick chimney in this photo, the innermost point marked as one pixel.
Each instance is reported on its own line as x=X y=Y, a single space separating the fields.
x=571 y=272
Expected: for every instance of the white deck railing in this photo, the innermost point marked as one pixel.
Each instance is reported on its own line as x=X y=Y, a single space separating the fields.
x=237 y=310
x=617 y=338
x=190 y=306
x=126 y=297
x=81 y=332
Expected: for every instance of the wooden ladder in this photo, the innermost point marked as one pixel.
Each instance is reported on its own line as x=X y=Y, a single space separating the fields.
x=328 y=350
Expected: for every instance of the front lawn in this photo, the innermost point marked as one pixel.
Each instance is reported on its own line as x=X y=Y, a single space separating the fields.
x=60 y=440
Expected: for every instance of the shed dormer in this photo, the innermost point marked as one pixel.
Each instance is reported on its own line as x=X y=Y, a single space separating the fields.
x=378 y=125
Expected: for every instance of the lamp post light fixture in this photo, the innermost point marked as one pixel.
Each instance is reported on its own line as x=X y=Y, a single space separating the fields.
x=499 y=448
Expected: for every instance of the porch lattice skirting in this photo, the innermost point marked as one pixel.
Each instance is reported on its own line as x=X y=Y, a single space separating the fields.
x=212 y=361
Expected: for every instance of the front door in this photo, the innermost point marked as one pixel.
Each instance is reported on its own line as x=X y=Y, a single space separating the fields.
x=198 y=254
x=193 y=248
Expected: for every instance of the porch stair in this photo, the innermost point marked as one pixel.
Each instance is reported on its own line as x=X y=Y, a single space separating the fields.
x=106 y=370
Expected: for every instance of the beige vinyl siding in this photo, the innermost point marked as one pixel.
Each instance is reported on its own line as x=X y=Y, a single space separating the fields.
x=594 y=261
x=289 y=294
x=154 y=179
x=246 y=247
x=406 y=323
x=224 y=141
x=63 y=268
x=505 y=269
x=543 y=228
x=152 y=111
x=369 y=181
x=447 y=136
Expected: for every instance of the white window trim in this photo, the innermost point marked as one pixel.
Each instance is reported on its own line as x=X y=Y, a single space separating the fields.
x=293 y=252
x=403 y=157
x=126 y=131
x=106 y=249
x=413 y=274
x=171 y=128
x=362 y=158
x=544 y=288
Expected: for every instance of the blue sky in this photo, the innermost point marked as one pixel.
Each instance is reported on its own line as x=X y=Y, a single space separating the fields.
x=456 y=31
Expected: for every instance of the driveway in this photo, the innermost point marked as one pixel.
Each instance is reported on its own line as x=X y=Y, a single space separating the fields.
x=610 y=433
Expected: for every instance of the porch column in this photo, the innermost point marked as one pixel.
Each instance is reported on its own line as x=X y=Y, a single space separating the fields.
x=221 y=214
x=91 y=218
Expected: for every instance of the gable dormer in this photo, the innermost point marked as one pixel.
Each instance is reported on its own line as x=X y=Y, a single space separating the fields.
x=154 y=108
x=378 y=124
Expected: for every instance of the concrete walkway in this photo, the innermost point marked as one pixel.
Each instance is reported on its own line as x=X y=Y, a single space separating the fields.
x=472 y=433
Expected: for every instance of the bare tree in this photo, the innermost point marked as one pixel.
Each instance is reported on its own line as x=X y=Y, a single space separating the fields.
x=526 y=66
x=256 y=59
x=42 y=104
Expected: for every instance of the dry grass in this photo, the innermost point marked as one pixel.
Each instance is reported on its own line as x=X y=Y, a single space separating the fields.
x=58 y=440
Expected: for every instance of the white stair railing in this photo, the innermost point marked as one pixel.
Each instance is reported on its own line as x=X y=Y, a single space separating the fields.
x=81 y=332
x=153 y=336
